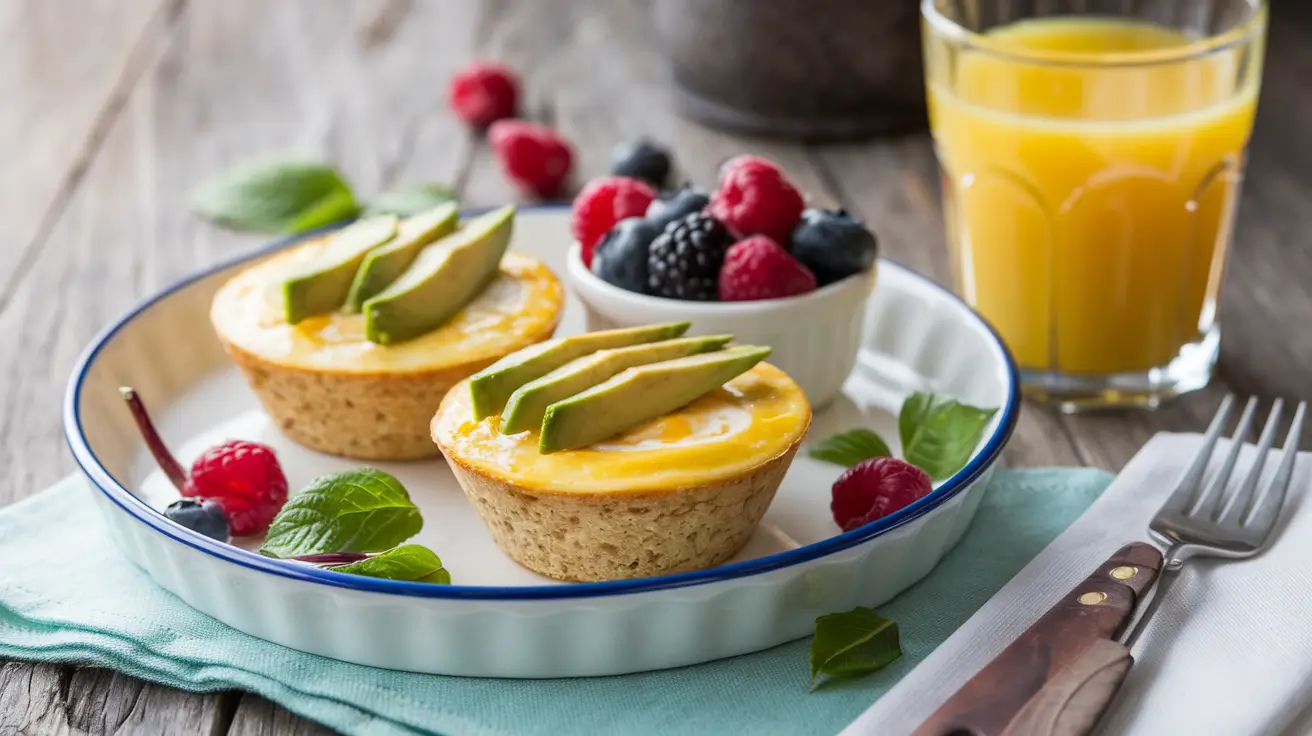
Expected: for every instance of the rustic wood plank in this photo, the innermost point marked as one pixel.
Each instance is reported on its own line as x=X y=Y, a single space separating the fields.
x=68 y=69
x=32 y=699
x=259 y=717
x=101 y=701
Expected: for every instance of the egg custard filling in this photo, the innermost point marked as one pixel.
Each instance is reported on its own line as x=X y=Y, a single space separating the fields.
x=523 y=300
x=750 y=420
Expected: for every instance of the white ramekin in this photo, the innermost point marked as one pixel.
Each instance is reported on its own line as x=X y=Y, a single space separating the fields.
x=815 y=337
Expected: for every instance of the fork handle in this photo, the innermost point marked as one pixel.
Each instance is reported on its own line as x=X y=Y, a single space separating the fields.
x=1057 y=677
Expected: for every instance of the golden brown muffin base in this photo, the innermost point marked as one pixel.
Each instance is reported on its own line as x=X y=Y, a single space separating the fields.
x=367 y=416
x=585 y=537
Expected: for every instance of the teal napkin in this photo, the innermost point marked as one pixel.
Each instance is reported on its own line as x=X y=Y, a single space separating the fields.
x=66 y=596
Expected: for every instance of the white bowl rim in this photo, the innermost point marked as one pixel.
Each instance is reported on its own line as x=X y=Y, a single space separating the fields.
x=757 y=306
x=144 y=513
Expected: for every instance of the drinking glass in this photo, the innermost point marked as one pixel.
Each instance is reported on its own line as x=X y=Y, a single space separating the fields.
x=1091 y=154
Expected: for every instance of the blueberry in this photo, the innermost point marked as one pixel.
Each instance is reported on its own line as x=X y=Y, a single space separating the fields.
x=833 y=244
x=641 y=160
x=201 y=515
x=621 y=256
x=676 y=205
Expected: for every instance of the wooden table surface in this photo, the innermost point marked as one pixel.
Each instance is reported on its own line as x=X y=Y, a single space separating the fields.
x=115 y=108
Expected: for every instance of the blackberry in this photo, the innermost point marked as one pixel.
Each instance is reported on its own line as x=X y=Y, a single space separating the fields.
x=621 y=256
x=685 y=259
x=641 y=160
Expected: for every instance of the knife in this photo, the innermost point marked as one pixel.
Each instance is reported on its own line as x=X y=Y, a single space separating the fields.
x=1057 y=677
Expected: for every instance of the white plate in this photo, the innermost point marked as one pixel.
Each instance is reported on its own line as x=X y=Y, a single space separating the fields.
x=500 y=619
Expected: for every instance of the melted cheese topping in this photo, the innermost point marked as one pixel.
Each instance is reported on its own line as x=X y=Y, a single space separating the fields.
x=518 y=308
x=748 y=421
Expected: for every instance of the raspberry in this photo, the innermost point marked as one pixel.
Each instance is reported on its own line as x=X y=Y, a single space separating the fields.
x=756 y=198
x=875 y=488
x=604 y=202
x=684 y=260
x=533 y=156
x=759 y=268
x=483 y=93
x=245 y=479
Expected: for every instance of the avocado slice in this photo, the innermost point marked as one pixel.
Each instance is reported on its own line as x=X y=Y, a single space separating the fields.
x=529 y=403
x=386 y=263
x=640 y=394
x=323 y=285
x=443 y=278
x=491 y=387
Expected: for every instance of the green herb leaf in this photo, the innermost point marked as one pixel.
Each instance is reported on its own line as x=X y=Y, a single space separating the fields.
x=850 y=447
x=939 y=433
x=276 y=196
x=362 y=510
x=409 y=562
x=411 y=200
x=853 y=644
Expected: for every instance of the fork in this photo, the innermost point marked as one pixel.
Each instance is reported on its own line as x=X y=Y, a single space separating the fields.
x=1060 y=675
x=1198 y=521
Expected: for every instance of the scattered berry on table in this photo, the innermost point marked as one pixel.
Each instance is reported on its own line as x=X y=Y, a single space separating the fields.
x=621 y=256
x=483 y=93
x=759 y=268
x=677 y=204
x=875 y=488
x=245 y=479
x=200 y=515
x=755 y=198
x=833 y=244
x=604 y=202
x=641 y=160
x=533 y=156
x=685 y=258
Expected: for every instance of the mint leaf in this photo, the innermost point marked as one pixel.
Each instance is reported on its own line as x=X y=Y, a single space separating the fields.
x=275 y=196
x=409 y=562
x=411 y=200
x=362 y=510
x=853 y=644
x=939 y=433
x=850 y=447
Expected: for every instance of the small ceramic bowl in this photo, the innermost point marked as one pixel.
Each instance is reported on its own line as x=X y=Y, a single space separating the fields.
x=815 y=337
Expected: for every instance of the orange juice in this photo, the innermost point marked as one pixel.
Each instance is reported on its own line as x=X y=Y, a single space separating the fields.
x=1091 y=171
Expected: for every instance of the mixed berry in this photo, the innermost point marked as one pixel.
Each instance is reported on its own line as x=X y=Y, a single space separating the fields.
x=483 y=93
x=875 y=488
x=240 y=479
x=201 y=515
x=534 y=157
x=751 y=238
x=641 y=160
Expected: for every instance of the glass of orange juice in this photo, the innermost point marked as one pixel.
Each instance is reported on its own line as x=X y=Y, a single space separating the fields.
x=1091 y=155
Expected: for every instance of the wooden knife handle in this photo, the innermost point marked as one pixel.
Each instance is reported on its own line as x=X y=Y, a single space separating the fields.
x=1058 y=676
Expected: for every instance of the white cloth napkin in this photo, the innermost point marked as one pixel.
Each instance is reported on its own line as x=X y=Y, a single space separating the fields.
x=1229 y=651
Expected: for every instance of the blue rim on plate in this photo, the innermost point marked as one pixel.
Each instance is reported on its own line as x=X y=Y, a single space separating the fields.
x=142 y=512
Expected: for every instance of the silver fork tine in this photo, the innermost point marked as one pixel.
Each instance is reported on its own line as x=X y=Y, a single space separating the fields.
x=1267 y=510
x=1183 y=495
x=1241 y=503
x=1210 y=501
